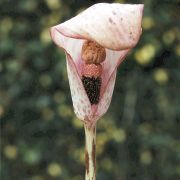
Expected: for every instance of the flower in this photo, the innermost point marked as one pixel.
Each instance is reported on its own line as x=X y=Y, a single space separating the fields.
x=115 y=27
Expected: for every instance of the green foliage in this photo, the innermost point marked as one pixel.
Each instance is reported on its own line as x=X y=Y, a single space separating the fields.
x=42 y=139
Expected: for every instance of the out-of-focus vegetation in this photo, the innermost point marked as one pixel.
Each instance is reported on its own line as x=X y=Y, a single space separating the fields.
x=41 y=139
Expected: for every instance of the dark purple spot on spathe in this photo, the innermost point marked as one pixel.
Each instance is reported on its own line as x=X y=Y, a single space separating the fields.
x=111 y=21
x=114 y=13
x=130 y=35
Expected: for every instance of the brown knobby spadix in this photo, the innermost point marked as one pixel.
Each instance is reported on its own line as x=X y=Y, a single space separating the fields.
x=95 y=42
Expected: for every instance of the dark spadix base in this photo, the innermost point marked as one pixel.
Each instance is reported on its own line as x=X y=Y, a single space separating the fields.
x=92 y=86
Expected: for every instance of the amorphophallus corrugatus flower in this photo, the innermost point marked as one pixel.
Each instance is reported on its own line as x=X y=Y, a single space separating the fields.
x=95 y=42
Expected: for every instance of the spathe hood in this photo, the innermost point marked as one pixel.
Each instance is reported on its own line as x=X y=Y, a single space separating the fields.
x=114 y=26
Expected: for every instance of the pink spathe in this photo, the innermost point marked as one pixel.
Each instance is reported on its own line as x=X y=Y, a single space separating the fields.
x=116 y=27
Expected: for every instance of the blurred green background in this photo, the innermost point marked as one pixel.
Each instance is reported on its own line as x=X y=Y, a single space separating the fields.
x=41 y=139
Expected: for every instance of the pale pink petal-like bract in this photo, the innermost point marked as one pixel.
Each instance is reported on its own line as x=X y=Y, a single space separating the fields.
x=117 y=27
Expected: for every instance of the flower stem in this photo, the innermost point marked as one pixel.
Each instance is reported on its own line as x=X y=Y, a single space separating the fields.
x=90 y=152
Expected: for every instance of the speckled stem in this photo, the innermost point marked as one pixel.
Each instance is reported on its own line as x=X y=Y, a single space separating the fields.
x=90 y=153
